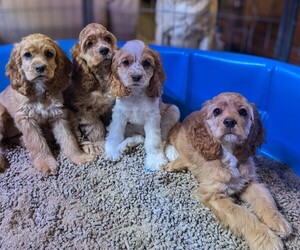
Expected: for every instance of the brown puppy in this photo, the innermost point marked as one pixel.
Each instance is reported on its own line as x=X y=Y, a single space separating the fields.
x=39 y=71
x=89 y=96
x=217 y=144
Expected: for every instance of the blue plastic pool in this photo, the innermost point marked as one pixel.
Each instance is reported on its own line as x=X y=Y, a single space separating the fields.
x=195 y=76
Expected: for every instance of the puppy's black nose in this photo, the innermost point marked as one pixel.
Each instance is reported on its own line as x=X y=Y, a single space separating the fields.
x=136 y=78
x=229 y=122
x=103 y=51
x=40 y=68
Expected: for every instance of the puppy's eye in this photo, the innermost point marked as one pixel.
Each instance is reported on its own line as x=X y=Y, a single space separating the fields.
x=48 y=54
x=89 y=44
x=125 y=63
x=217 y=112
x=108 y=39
x=243 y=112
x=146 y=63
x=27 y=55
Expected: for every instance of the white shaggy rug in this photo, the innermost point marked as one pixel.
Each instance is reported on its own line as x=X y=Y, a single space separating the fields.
x=102 y=205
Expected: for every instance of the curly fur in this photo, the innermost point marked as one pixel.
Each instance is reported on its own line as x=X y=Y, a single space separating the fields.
x=217 y=144
x=254 y=140
x=202 y=141
x=89 y=97
x=18 y=80
x=156 y=82
x=39 y=71
x=118 y=89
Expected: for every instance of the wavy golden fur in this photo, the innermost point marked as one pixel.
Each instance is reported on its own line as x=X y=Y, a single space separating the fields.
x=89 y=96
x=217 y=144
x=39 y=71
x=20 y=83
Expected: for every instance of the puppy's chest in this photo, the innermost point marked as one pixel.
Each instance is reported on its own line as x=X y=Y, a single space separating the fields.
x=96 y=101
x=40 y=111
x=240 y=172
x=138 y=111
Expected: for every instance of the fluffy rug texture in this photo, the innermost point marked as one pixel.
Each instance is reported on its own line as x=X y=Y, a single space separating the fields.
x=105 y=205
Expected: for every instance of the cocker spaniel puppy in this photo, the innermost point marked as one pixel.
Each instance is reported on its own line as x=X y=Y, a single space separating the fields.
x=217 y=144
x=89 y=96
x=38 y=70
x=138 y=78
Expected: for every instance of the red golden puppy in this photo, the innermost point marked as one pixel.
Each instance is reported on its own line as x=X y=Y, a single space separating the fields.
x=89 y=96
x=217 y=144
x=39 y=71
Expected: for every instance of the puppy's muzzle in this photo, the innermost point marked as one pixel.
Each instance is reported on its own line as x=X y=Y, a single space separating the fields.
x=229 y=122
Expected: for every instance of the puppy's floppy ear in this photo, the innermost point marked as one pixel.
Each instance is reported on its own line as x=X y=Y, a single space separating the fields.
x=156 y=82
x=81 y=73
x=114 y=43
x=255 y=138
x=61 y=79
x=118 y=89
x=200 y=136
x=15 y=72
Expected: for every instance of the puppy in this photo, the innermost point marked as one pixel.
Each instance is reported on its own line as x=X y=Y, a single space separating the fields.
x=89 y=96
x=217 y=144
x=138 y=78
x=39 y=71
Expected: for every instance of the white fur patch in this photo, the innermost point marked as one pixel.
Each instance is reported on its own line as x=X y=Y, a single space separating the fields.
x=230 y=138
x=134 y=47
x=171 y=153
x=230 y=161
x=40 y=87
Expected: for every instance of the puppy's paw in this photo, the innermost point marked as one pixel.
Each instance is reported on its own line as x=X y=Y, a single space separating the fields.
x=155 y=162
x=81 y=158
x=3 y=163
x=133 y=141
x=171 y=153
x=170 y=167
x=266 y=240
x=175 y=166
x=112 y=155
x=47 y=165
x=280 y=225
x=92 y=148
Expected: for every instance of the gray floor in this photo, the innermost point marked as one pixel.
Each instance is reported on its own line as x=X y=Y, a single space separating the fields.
x=102 y=205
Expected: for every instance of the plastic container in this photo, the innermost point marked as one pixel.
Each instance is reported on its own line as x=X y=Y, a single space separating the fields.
x=195 y=76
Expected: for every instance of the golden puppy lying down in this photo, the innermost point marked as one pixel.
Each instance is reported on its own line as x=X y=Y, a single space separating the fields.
x=217 y=144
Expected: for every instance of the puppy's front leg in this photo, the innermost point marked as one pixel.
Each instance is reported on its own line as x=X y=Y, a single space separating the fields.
x=242 y=222
x=115 y=136
x=264 y=206
x=68 y=143
x=155 y=157
x=35 y=142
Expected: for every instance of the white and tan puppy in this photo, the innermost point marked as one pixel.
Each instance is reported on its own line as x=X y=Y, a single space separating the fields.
x=138 y=78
